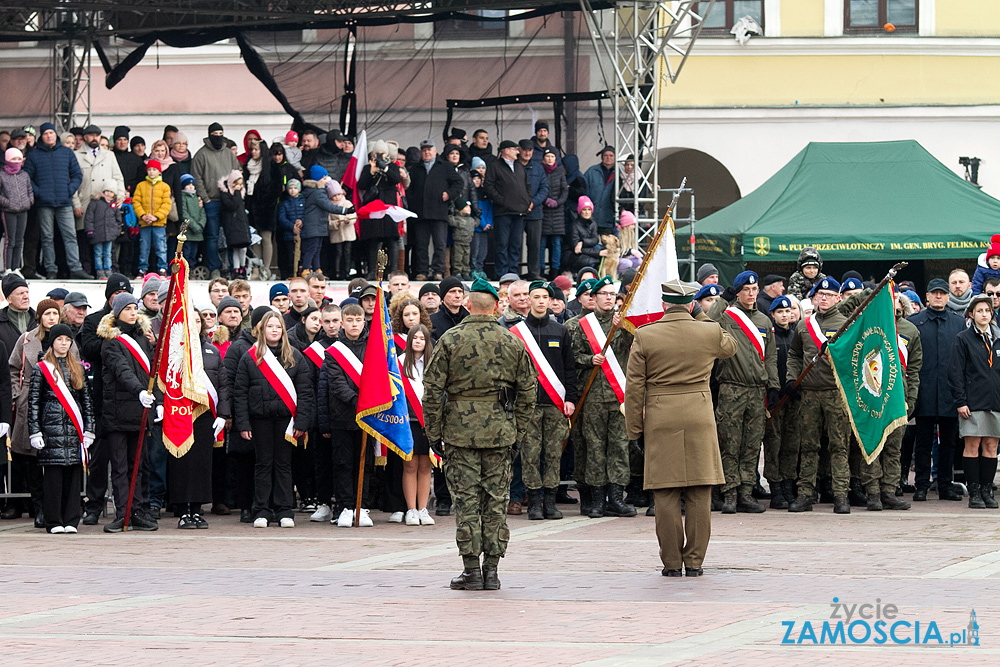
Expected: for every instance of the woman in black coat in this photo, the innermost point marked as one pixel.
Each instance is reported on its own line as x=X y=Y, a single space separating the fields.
x=254 y=395
x=54 y=434
x=234 y=220
x=584 y=240
x=554 y=215
x=379 y=180
x=974 y=378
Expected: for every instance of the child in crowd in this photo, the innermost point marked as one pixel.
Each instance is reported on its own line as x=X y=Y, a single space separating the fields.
x=152 y=205
x=989 y=266
x=342 y=232
x=234 y=221
x=193 y=212
x=16 y=197
x=103 y=224
x=463 y=227
x=290 y=218
x=810 y=266
x=480 y=237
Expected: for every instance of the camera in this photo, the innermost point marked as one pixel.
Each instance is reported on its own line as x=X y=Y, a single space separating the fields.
x=381 y=161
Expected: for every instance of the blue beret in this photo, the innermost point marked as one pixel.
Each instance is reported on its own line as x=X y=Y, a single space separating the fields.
x=780 y=302
x=851 y=283
x=276 y=289
x=708 y=290
x=746 y=278
x=830 y=284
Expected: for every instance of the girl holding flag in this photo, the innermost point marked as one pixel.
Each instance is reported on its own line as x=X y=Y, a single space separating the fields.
x=61 y=422
x=417 y=471
x=273 y=405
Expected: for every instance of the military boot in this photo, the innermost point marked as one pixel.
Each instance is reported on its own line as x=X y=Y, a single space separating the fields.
x=788 y=488
x=549 y=510
x=841 y=505
x=874 y=502
x=729 y=502
x=616 y=506
x=759 y=493
x=747 y=504
x=857 y=494
x=975 y=497
x=891 y=502
x=491 y=582
x=716 y=499
x=597 y=496
x=563 y=497
x=825 y=490
x=778 y=500
x=535 y=505
x=471 y=578
x=586 y=499
x=803 y=503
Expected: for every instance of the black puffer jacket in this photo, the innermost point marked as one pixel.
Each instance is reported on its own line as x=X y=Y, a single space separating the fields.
x=973 y=373
x=254 y=395
x=124 y=377
x=337 y=395
x=216 y=372
x=584 y=231
x=554 y=219
x=234 y=219
x=47 y=416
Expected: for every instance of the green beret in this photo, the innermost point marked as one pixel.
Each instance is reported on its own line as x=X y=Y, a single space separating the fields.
x=485 y=287
x=541 y=284
x=598 y=284
x=585 y=286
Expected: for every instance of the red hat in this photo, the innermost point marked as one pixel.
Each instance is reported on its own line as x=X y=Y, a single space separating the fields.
x=994 y=248
x=291 y=135
x=154 y=164
x=562 y=282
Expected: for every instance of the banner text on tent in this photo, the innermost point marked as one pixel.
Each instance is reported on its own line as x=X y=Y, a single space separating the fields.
x=914 y=245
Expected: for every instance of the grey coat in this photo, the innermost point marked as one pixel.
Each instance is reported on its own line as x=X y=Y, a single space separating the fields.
x=16 y=194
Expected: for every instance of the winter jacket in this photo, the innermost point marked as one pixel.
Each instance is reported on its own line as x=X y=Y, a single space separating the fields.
x=337 y=395
x=554 y=218
x=538 y=187
x=601 y=190
x=983 y=273
x=798 y=285
x=382 y=186
x=973 y=372
x=233 y=218
x=102 y=222
x=509 y=318
x=745 y=367
x=538 y=152
x=124 y=377
x=237 y=349
x=133 y=168
x=99 y=172
x=909 y=336
x=212 y=361
x=938 y=332
x=507 y=188
x=55 y=174
x=299 y=339
x=468 y=192
x=189 y=210
x=208 y=166
x=557 y=348
x=262 y=205
x=485 y=222
x=315 y=208
x=9 y=333
x=289 y=211
x=254 y=395
x=584 y=231
x=342 y=227
x=333 y=160
x=782 y=343
x=424 y=194
x=47 y=416
x=152 y=196
x=444 y=319
x=16 y=194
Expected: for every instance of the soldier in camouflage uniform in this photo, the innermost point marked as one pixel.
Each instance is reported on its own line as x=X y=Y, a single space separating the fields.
x=745 y=380
x=602 y=425
x=476 y=364
x=822 y=408
x=586 y=300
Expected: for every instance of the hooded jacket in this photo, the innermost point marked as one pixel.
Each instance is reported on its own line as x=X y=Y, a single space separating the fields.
x=47 y=416
x=290 y=210
x=798 y=284
x=55 y=174
x=208 y=166
x=315 y=209
x=124 y=377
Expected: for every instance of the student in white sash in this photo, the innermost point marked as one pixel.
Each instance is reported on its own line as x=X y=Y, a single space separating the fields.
x=60 y=435
x=417 y=471
x=273 y=406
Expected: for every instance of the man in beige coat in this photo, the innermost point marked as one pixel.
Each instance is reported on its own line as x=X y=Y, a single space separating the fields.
x=668 y=403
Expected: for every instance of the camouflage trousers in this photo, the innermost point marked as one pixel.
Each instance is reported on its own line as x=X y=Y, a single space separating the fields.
x=819 y=412
x=479 y=483
x=542 y=447
x=739 y=419
x=462 y=229
x=602 y=435
x=883 y=473
x=781 y=444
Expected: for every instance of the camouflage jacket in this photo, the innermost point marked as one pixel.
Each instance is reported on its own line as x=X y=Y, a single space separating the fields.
x=804 y=349
x=745 y=368
x=601 y=390
x=470 y=363
x=799 y=285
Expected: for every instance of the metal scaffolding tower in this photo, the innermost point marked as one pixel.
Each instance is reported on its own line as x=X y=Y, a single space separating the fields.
x=639 y=44
x=71 y=66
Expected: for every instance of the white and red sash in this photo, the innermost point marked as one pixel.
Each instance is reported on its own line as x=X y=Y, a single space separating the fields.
x=400 y=340
x=904 y=352
x=612 y=369
x=213 y=403
x=414 y=390
x=279 y=380
x=347 y=360
x=65 y=397
x=315 y=353
x=547 y=377
x=132 y=346
x=749 y=328
x=815 y=331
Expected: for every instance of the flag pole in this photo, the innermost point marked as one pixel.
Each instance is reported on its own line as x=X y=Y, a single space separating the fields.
x=665 y=224
x=850 y=320
x=382 y=262
x=175 y=266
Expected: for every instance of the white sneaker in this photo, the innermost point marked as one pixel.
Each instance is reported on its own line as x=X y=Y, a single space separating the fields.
x=260 y=523
x=69 y=529
x=425 y=518
x=412 y=518
x=56 y=530
x=365 y=521
x=287 y=522
x=346 y=518
x=322 y=513
x=396 y=517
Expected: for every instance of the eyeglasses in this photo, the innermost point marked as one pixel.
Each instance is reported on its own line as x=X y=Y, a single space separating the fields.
x=605 y=294
x=993 y=294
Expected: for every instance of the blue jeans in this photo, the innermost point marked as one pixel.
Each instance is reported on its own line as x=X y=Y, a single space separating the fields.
x=309 y=253
x=480 y=244
x=190 y=251
x=212 y=235
x=158 y=237
x=62 y=216
x=554 y=244
x=102 y=256
x=509 y=235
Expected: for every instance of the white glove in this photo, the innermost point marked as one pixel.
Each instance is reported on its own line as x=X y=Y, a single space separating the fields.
x=159 y=414
x=218 y=425
x=88 y=439
x=37 y=441
x=4 y=429
x=146 y=399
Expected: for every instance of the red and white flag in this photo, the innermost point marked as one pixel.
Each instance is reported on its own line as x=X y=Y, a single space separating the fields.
x=358 y=161
x=660 y=266
x=376 y=209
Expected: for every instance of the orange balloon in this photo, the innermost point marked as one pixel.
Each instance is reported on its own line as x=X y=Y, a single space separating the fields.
x=889 y=27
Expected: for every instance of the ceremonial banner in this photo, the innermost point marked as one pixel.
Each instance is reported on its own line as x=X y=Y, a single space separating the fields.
x=382 y=411
x=866 y=363
x=181 y=375
x=647 y=303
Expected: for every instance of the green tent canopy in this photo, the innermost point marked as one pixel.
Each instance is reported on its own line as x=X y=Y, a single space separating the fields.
x=888 y=200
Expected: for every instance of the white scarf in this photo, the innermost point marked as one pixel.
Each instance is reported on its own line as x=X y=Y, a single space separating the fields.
x=254 y=167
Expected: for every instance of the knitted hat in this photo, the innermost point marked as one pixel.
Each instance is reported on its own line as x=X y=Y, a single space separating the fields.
x=60 y=330
x=12 y=154
x=258 y=314
x=43 y=305
x=583 y=203
x=317 y=172
x=215 y=127
x=228 y=302
x=150 y=286
x=162 y=291
x=136 y=140
x=11 y=282
x=307 y=312
x=154 y=164
x=427 y=288
x=477 y=162
x=450 y=283
x=994 y=248
x=562 y=282
x=333 y=188
x=121 y=301
x=539 y=124
x=187 y=179
x=291 y=135
x=276 y=290
x=44 y=127
x=116 y=283
x=627 y=219
x=179 y=138
x=121 y=131
x=293 y=183
x=706 y=270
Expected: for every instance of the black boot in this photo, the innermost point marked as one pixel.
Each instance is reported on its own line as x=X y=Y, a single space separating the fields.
x=491 y=582
x=716 y=499
x=874 y=503
x=759 y=493
x=586 y=499
x=729 y=502
x=891 y=502
x=857 y=494
x=651 y=510
x=825 y=490
x=549 y=510
x=803 y=503
x=471 y=578
x=563 y=497
x=987 y=471
x=788 y=489
x=597 y=496
x=841 y=505
x=616 y=505
x=746 y=503
x=535 y=505
x=970 y=464
x=778 y=500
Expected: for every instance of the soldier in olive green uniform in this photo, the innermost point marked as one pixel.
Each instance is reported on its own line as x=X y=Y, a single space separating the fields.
x=822 y=408
x=602 y=425
x=489 y=381
x=586 y=300
x=745 y=380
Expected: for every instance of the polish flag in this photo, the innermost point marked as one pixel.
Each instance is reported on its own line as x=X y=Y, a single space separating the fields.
x=358 y=161
x=379 y=209
x=660 y=265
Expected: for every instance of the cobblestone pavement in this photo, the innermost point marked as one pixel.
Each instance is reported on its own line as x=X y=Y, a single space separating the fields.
x=575 y=591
